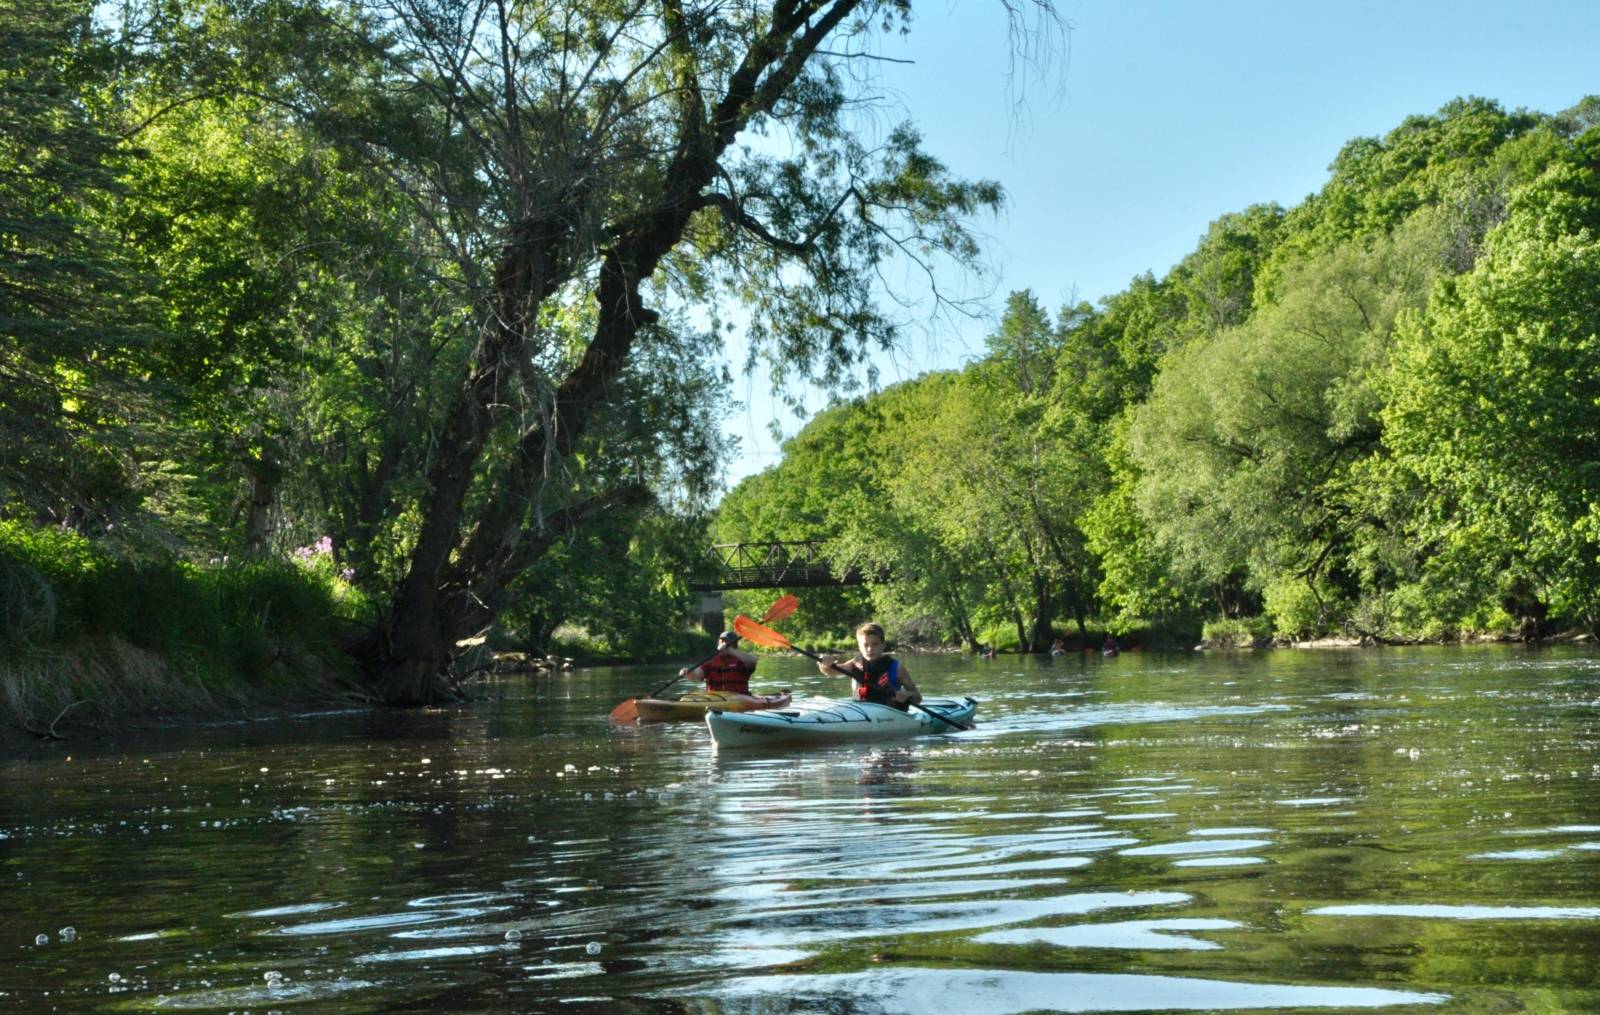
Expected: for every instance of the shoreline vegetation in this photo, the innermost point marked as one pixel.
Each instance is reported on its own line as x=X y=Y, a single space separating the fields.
x=94 y=641
x=176 y=644
x=96 y=686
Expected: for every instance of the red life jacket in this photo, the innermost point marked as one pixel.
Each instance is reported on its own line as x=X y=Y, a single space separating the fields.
x=878 y=680
x=727 y=673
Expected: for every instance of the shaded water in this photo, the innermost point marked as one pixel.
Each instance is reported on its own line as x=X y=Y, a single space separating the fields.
x=1393 y=830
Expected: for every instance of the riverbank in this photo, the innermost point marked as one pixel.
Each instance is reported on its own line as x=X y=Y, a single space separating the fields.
x=87 y=687
x=93 y=689
x=1571 y=637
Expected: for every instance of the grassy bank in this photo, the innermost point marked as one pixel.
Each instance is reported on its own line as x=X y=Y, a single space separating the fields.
x=89 y=637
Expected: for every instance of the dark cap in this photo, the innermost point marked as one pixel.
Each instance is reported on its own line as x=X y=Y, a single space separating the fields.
x=727 y=636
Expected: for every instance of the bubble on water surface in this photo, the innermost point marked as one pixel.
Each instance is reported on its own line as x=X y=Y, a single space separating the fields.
x=114 y=978
x=68 y=933
x=513 y=935
x=593 y=948
x=42 y=940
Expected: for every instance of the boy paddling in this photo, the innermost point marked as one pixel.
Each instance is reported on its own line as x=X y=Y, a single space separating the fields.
x=879 y=677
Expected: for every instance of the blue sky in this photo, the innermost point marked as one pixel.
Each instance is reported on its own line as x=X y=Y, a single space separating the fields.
x=1154 y=117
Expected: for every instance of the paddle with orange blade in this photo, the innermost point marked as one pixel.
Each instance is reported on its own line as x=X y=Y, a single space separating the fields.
x=766 y=637
x=628 y=710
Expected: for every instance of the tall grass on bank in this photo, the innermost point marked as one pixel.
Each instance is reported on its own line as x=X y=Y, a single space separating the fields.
x=95 y=636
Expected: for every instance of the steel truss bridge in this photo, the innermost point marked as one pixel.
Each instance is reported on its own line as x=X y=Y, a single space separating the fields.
x=770 y=565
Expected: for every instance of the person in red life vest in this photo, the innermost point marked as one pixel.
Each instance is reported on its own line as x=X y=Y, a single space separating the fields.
x=728 y=670
x=878 y=676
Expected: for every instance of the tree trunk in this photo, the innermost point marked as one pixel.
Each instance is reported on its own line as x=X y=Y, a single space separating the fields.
x=458 y=574
x=265 y=474
x=416 y=652
x=1042 y=603
x=960 y=620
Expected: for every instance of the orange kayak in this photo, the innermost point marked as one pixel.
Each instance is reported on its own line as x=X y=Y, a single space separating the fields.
x=694 y=704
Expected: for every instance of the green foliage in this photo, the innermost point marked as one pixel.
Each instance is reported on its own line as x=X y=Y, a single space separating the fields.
x=226 y=625
x=1139 y=579
x=623 y=580
x=1237 y=632
x=1246 y=444
x=1494 y=410
x=1429 y=160
x=72 y=313
x=1301 y=609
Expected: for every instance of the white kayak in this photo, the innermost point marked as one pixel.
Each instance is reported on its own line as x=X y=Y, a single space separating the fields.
x=830 y=720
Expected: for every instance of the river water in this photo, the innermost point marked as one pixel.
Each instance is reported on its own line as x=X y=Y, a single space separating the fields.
x=1388 y=830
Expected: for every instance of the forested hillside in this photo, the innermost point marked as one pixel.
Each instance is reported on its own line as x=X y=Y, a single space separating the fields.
x=1375 y=414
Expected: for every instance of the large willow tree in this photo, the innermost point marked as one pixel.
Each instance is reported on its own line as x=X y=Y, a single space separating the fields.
x=590 y=171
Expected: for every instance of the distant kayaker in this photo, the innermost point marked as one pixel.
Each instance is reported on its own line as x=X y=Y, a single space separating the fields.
x=728 y=670
x=878 y=676
x=1109 y=647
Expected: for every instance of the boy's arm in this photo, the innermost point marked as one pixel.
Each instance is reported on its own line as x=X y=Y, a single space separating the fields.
x=827 y=667
x=913 y=696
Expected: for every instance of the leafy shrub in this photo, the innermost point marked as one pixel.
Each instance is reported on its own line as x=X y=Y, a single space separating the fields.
x=1237 y=632
x=1299 y=611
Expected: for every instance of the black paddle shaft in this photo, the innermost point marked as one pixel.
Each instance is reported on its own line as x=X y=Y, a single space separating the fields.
x=678 y=677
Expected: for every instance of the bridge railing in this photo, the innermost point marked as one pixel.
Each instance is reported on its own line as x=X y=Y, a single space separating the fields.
x=771 y=564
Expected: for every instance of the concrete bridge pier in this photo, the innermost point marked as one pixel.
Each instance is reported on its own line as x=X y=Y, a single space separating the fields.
x=712 y=620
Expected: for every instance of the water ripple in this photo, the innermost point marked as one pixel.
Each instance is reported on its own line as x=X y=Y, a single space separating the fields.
x=1442 y=912
x=1002 y=992
x=1140 y=934
x=381 y=921
x=820 y=924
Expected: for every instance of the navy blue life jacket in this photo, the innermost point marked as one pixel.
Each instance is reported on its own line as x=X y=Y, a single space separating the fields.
x=878 y=680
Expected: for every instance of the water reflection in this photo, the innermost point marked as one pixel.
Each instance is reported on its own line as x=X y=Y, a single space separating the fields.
x=1014 y=993
x=1168 y=833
